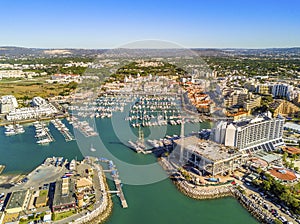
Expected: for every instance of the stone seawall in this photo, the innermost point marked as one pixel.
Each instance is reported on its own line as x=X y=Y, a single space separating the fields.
x=213 y=192
x=102 y=213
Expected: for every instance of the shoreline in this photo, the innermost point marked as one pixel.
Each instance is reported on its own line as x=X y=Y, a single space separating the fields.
x=4 y=123
x=216 y=192
x=103 y=212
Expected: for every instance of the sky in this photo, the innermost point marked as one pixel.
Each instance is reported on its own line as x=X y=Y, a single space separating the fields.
x=112 y=23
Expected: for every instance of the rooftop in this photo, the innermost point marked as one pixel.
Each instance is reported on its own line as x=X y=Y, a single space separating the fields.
x=268 y=157
x=83 y=182
x=291 y=149
x=283 y=174
x=293 y=126
x=42 y=198
x=17 y=199
x=208 y=149
x=60 y=196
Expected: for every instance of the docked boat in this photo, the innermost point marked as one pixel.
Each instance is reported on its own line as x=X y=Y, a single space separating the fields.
x=44 y=141
x=10 y=132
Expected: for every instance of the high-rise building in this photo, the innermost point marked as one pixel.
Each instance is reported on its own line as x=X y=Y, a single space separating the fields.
x=260 y=133
x=281 y=90
x=8 y=103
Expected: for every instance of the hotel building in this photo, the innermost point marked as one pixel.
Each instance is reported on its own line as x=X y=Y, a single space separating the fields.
x=261 y=133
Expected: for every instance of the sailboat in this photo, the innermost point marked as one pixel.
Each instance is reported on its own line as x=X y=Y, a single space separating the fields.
x=92 y=148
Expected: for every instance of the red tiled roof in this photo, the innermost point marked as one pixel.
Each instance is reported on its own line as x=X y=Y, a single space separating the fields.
x=291 y=150
x=283 y=174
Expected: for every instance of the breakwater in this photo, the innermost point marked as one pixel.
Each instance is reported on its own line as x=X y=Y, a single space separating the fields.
x=214 y=192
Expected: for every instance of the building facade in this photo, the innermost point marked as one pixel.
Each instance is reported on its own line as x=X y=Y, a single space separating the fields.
x=18 y=201
x=281 y=90
x=284 y=108
x=208 y=157
x=261 y=133
x=41 y=108
x=8 y=103
x=64 y=196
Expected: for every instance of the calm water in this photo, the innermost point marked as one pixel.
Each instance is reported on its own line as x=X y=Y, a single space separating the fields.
x=158 y=202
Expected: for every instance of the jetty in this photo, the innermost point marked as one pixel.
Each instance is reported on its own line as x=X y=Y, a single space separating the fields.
x=139 y=145
x=84 y=127
x=114 y=174
x=43 y=134
x=61 y=127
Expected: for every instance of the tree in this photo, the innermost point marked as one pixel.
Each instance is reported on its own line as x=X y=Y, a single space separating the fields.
x=259 y=170
x=266 y=185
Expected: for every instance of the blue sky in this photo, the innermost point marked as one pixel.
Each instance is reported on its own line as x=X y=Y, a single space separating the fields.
x=111 y=23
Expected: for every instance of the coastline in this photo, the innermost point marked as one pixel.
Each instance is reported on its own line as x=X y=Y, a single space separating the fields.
x=3 y=123
x=215 y=192
x=103 y=212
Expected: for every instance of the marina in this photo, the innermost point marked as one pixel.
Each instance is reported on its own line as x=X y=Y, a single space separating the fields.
x=101 y=107
x=61 y=127
x=42 y=133
x=161 y=197
x=157 y=111
x=84 y=127
x=139 y=145
x=13 y=129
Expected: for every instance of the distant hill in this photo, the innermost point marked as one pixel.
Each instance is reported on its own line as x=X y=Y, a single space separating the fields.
x=10 y=51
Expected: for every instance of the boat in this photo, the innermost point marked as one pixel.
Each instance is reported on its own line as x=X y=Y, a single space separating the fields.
x=43 y=141
x=10 y=132
x=92 y=148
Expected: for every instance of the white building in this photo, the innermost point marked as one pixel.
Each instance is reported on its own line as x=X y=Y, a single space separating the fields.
x=281 y=90
x=38 y=101
x=262 y=132
x=8 y=103
x=41 y=109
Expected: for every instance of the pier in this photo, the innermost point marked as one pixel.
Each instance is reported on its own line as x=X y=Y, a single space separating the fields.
x=61 y=127
x=84 y=127
x=42 y=133
x=114 y=174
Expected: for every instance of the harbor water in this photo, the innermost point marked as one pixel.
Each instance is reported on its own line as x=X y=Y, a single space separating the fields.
x=158 y=202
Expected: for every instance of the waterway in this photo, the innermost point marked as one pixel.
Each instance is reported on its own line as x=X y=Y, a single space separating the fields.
x=149 y=200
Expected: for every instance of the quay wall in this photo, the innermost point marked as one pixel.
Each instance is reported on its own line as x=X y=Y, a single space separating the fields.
x=213 y=192
x=102 y=213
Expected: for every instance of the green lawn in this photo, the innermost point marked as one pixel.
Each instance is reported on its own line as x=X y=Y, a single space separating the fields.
x=62 y=215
